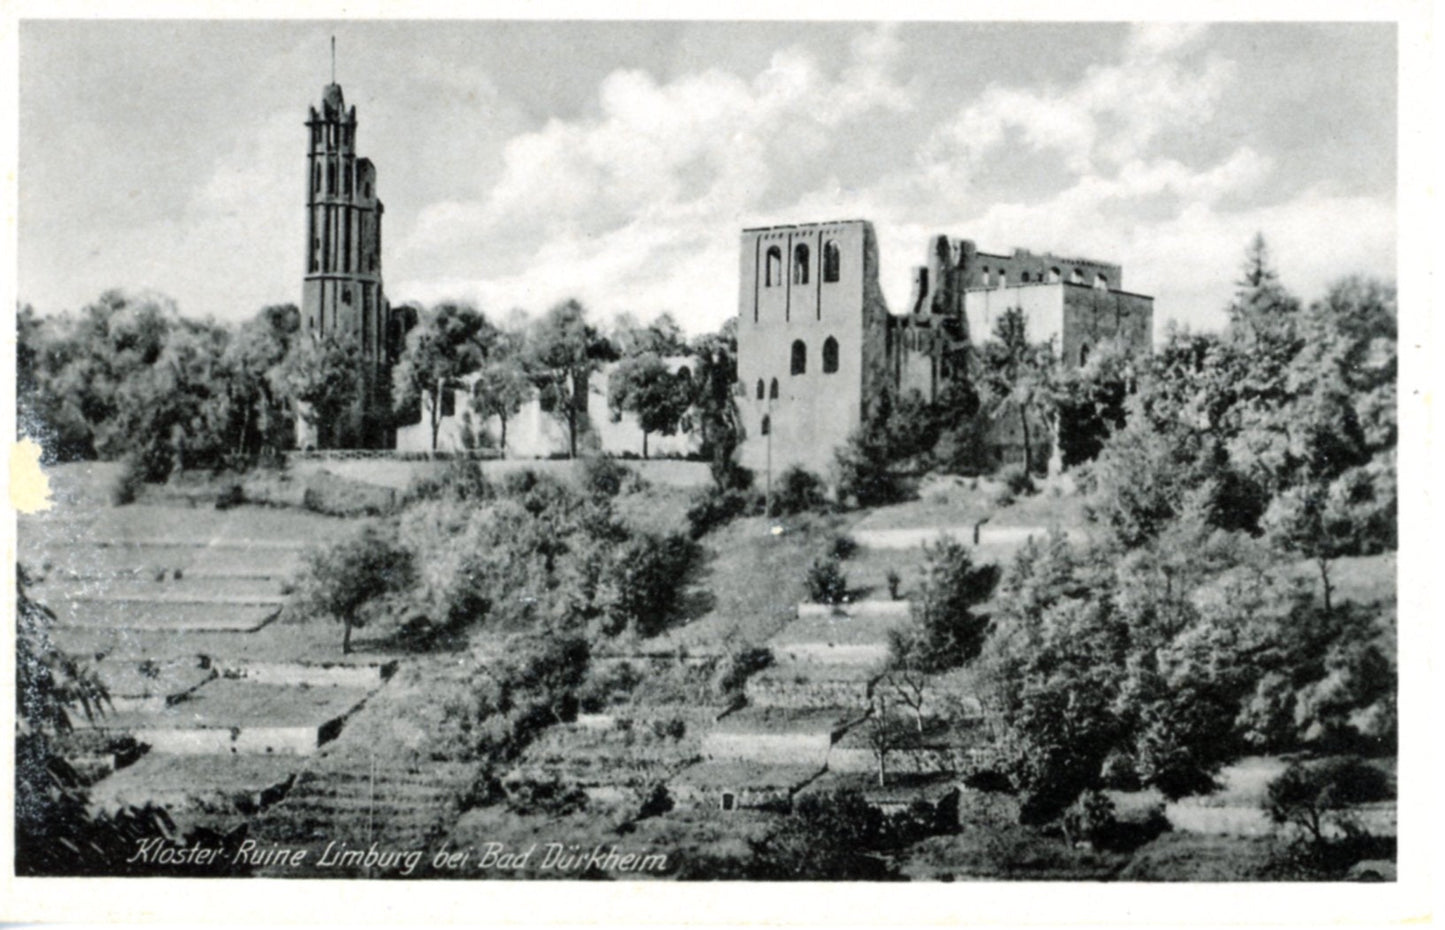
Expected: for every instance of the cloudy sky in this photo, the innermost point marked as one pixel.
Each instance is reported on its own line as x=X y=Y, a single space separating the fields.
x=522 y=163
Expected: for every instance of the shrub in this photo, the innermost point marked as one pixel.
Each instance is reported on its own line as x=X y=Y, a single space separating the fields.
x=728 y=475
x=603 y=476
x=1018 y=481
x=650 y=573
x=231 y=495
x=734 y=671
x=606 y=685
x=826 y=582
x=842 y=547
x=460 y=479
x=128 y=482
x=1090 y=818
x=894 y=581
x=712 y=508
x=797 y=490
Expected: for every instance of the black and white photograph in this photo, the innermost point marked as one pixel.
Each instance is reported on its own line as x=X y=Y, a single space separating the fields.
x=711 y=451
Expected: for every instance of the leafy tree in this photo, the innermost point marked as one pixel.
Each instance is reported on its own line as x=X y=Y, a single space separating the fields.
x=324 y=377
x=261 y=419
x=644 y=386
x=715 y=406
x=1019 y=374
x=544 y=671
x=1316 y=796
x=947 y=628
x=883 y=732
x=452 y=340
x=502 y=387
x=650 y=574
x=865 y=462
x=354 y=580
x=662 y=337
x=56 y=831
x=825 y=838
x=564 y=351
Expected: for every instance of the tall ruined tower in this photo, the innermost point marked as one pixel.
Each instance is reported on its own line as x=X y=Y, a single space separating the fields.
x=341 y=295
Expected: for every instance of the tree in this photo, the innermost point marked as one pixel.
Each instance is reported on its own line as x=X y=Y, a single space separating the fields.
x=826 y=837
x=262 y=420
x=564 y=351
x=662 y=337
x=644 y=386
x=1019 y=374
x=354 y=580
x=451 y=341
x=947 y=629
x=883 y=732
x=56 y=831
x=544 y=671
x=1315 y=796
x=324 y=377
x=865 y=462
x=719 y=426
x=502 y=387
x=904 y=673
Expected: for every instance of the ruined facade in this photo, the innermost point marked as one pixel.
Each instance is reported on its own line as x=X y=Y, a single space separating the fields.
x=817 y=343
x=341 y=293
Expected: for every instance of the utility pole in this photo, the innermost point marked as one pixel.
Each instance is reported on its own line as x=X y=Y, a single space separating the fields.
x=768 y=499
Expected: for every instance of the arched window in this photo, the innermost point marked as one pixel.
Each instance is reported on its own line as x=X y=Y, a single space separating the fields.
x=767 y=426
x=773 y=390
x=760 y=389
x=774 y=274
x=987 y=278
x=799 y=363
x=1002 y=277
x=1083 y=355
x=1077 y=277
x=1101 y=282
x=1054 y=275
x=331 y=177
x=1024 y=278
x=800 y=264
x=831 y=261
x=830 y=355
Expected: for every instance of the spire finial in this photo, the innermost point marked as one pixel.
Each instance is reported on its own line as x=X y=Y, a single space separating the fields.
x=333 y=59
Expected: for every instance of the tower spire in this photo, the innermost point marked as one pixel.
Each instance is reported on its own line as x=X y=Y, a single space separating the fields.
x=333 y=59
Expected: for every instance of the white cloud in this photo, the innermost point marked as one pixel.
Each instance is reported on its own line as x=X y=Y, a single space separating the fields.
x=1108 y=118
x=641 y=203
x=638 y=208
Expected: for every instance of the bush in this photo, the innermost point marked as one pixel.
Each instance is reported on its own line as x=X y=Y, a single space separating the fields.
x=826 y=582
x=231 y=495
x=1018 y=481
x=461 y=479
x=842 y=547
x=797 y=490
x=1090 y=818
x=894 y=581
x=603 y=476
x=712 y=508
x=737 y=668
x=728 y=475
x=606 y=685
x=650 y=574
x=128 y=482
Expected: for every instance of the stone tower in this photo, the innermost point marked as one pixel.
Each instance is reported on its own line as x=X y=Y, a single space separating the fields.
x=341 y=295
